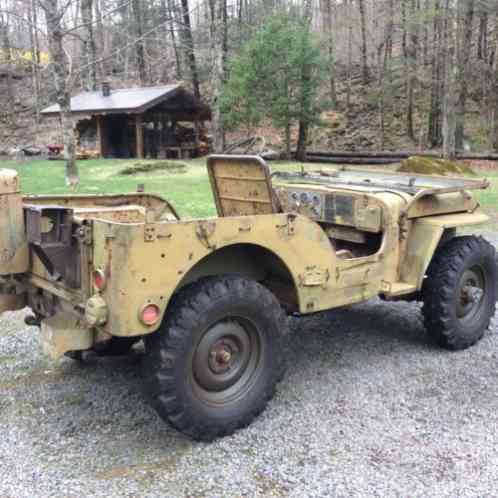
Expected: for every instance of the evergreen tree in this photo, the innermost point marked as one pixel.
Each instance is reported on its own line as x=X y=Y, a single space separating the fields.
x=266 y=79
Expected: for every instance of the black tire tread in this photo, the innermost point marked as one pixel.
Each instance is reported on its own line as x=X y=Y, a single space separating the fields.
x=438 y=289
x=172 y=339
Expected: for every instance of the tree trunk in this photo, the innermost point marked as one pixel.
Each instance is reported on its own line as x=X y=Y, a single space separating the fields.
x=59 y=68
x=35 y=72
x=494 y=107
x=404 y=35
x=426 y=35
x=100 y=39
x=288 y=151
x=435 y=137
x=188 y=43
x=326 y=8
x=219 y=45
x=465 y=21
x=6 y=48
x=178 y=61
x=89 y=50
x=349 y=76
x=139 y=44
x=411 y=67
x=364 y=54
x=388 y=43
x=482 y=41
x=303 y=124
x=451 y=94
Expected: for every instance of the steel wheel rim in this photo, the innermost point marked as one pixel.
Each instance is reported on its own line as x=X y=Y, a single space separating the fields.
x=226 y=361
x=471 y=293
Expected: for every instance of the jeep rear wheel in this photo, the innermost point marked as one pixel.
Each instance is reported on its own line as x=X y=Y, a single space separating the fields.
x=217 y=358
x=459 y=292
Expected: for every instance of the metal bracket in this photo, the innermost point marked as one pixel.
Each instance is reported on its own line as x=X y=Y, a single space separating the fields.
x=85 y=235
x=154 y=231
x=290 y=225
x=205 y=230
x=314 y=277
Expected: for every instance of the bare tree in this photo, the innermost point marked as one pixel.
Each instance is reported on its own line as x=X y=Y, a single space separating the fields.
x=465 y=28
x=435 y=137
x=303 y=126
x=89 y=50
x=326 y=9
x=35 y=56
x=6 y=48
x=482 y=39
x=385 y=55
x=60 y=70
x=100 y=40
x=349 y=71
x=452 y=77
x=364 y=55
x=219 y=45
x=139 y=44
x=172 y=14
x=188 y=44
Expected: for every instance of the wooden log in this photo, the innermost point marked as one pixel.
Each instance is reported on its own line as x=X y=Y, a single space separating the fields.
x=363 y=154
x=352 y=160
x=466 y=156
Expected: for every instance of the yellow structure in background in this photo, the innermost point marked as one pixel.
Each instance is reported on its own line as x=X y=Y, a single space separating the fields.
x=19 y=55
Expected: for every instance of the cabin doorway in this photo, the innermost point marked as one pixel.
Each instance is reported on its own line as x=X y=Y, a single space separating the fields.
x=120 y=137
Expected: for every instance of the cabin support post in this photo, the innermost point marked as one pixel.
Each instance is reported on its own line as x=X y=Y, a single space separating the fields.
x=197 y=132
x=139 y=130
x=100 y=136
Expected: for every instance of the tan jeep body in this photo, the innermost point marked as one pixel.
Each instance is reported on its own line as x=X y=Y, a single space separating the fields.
x=316 y=240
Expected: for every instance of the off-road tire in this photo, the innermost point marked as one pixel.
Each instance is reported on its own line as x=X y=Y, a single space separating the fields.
x=188 y=385
x=448 y=318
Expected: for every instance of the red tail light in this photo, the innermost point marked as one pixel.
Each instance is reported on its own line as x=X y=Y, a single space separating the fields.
x=150 y=314
x=99 y=280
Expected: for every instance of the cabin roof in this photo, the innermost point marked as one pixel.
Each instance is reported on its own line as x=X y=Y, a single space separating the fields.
x=129 y=100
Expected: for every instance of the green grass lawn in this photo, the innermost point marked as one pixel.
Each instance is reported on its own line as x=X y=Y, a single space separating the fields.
x=189 y=192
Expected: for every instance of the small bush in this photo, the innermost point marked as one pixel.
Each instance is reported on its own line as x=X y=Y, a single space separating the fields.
x=153 y=167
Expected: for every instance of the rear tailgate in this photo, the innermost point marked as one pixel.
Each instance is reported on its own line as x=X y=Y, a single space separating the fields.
x=61 y=254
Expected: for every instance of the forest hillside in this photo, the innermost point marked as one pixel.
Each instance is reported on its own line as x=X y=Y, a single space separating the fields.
x=312 y=74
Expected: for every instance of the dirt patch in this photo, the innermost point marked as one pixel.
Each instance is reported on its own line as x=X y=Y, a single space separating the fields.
x=154 y=167
x=431 y=166
x=138 y=472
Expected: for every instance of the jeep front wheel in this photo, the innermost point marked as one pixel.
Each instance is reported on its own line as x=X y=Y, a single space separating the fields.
x=459 y=292
x=217 y=358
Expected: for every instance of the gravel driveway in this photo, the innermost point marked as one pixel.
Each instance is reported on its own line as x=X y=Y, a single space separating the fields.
x=368 y=408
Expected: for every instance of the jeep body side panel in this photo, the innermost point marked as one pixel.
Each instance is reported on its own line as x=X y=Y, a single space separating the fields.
x=145 y=269
x=148 y=263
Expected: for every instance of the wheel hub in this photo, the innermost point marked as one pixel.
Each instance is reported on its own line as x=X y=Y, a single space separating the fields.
x=471 y=293
x=224 y=357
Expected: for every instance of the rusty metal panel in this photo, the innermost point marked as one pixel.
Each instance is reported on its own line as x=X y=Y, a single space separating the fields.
x=51 y=235
x=241 y=185
x=14 y=254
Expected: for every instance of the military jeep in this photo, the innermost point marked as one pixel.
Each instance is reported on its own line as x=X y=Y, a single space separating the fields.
x=210 y=297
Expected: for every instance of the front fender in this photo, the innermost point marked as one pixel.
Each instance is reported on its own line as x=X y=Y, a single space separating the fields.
x=424 y=238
